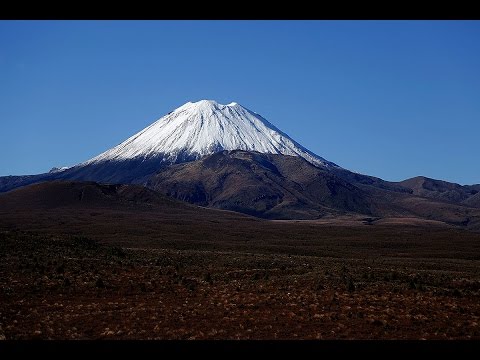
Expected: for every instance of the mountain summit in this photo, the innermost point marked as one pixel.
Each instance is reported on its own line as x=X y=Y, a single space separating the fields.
x=201 y=128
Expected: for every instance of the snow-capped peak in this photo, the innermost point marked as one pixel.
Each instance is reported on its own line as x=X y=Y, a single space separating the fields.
x=200 y=128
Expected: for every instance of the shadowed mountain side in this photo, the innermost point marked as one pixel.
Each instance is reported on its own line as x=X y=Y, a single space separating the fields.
x=265 y=185
x=130 y=171
x=8 y=183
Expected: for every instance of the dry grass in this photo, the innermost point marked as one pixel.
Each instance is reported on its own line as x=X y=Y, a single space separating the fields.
x=63 y=287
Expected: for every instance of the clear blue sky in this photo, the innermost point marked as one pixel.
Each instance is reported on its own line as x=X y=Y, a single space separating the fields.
x=393 y=99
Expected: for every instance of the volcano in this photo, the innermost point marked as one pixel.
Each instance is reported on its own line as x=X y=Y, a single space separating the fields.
x=229 y=157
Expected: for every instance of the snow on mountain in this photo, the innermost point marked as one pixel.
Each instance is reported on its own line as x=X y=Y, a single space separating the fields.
x=55 y=169
x=205 y=127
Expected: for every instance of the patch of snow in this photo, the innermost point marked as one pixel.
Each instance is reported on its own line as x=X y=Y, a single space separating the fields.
x=58 y=169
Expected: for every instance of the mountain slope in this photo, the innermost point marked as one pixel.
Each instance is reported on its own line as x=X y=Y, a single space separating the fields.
x=385 y=203
x=473 y=200
x=266 y=185
x=287 y=187
x=440 y=190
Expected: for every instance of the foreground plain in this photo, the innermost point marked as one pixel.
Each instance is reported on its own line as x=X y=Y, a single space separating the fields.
x=138 y=266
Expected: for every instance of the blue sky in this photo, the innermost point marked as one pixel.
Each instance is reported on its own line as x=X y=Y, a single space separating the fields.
x=393 y=99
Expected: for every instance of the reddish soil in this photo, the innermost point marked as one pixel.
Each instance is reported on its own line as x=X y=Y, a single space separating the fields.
x=73 y=288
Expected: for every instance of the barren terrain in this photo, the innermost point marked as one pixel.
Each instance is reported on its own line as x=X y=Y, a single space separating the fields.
x=94 y=271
